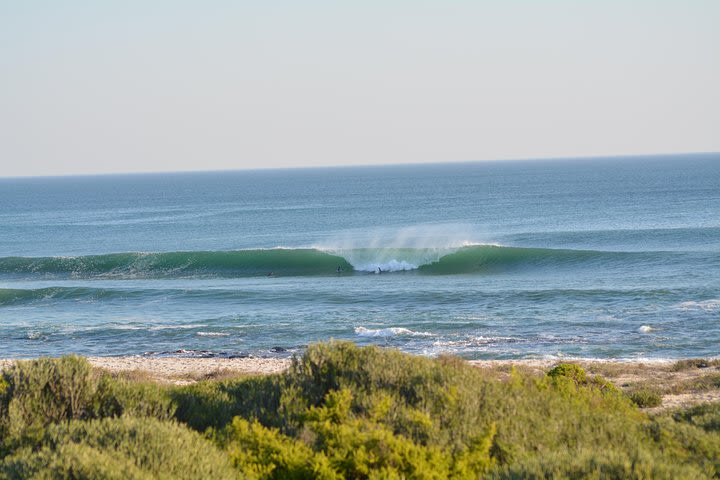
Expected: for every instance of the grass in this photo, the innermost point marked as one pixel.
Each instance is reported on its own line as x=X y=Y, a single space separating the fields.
x=342 y=411
x=140 y=375
x=645 y=397
x=692 y=363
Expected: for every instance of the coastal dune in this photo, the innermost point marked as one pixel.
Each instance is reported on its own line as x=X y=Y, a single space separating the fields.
x=681 y=383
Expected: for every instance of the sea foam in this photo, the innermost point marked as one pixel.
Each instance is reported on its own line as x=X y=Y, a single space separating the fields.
x=212 y=334
x=389 y=332
x=707 y=305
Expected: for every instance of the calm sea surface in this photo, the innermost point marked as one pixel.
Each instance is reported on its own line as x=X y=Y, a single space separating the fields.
x=601 y=258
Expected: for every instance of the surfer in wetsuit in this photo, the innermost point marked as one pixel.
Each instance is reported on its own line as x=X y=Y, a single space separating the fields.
x=339 y=269
x=379 y=271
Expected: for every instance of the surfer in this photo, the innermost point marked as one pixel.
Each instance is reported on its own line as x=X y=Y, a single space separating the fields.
x=379 y=271
x=339 y=269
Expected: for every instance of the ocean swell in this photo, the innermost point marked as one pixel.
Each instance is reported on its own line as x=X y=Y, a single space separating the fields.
x=306 y=262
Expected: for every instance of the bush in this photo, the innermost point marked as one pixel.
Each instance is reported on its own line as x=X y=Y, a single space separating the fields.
x=337 y=444
x=45 y=391
x=705 y=416
x=571 y=372
x=119 y=448
x=446 y=403
x=358 y=446
x=38 y=393
x=260 y=452
x=344 y=411
x=645 y=397
x=591 y=463
x=214 y=404
x=688 y=443
x=432 y=402
x=116 y=397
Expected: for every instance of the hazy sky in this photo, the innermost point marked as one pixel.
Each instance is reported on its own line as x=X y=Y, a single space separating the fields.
x=118 y=86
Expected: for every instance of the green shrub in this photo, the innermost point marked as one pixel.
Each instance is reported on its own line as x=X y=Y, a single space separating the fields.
x=681 y=439
x=645 y=397
x=706 y=416
x=335 y=443
x=450 y=393
x=570 y=371
x=345 y=411
x=135 y=448
x=70 y=461
x=593 y=463
x=45 y=391
x=446 y=403
x=117 y=397
x=214 y=404
x=4 y=386
x=4 y=403
x=356 y=447
x=264 y=453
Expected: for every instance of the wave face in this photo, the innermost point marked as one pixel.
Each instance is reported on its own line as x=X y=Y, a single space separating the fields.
x=310 y=262
x=241 y=263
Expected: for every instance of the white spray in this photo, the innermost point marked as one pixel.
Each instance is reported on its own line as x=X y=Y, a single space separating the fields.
x=382 y=249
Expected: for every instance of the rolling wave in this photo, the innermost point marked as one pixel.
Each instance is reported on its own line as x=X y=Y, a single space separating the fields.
x=309 y=262
x=240 y=263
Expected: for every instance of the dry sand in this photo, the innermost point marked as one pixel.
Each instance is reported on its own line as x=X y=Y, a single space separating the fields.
x=181 y=371
x=680 y=386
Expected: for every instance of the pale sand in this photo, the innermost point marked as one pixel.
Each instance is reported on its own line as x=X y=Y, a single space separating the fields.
x=188 y=370
x=185 y=370
x=677 y=385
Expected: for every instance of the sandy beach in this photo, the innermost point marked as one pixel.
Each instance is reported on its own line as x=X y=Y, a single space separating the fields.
x=181 y=371
x=681 y=384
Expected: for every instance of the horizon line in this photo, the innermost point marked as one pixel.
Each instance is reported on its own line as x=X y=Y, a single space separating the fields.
x=361 y=165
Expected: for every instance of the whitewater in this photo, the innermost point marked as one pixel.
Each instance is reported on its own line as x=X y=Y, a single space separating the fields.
x=594 y=258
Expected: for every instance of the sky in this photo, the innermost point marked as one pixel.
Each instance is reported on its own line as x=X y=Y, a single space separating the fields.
x=132 y=85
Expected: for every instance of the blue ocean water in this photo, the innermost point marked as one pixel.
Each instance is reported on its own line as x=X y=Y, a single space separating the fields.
x=595 y=258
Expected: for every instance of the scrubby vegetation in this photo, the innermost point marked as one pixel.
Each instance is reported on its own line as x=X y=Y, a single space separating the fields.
x=645 y=397
x=345 y=412
x=691 y=363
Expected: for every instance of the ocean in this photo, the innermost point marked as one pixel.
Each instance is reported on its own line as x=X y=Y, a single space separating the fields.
x=604 y=258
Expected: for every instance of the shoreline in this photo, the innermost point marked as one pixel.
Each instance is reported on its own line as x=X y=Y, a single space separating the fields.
x=681 y=383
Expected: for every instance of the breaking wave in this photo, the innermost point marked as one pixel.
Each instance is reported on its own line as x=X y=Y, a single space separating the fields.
x=466 y=259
